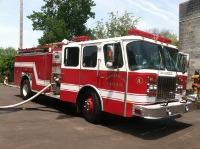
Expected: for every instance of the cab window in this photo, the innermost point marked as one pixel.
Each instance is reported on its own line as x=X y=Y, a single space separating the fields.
x=90 y=56
x=71 y=57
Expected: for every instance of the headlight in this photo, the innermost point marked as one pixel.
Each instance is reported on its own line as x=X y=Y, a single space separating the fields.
x=180 y=86
x=155 y=87
x=151 y=87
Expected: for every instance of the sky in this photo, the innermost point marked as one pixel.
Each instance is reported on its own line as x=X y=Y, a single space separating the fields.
x=161 y=14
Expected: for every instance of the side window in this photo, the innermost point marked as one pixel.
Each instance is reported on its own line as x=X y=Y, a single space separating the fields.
x=71 y=56
x=90 y=56
x=113 y=55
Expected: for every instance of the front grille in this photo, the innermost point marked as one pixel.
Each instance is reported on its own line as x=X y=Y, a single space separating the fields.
x=166 y=88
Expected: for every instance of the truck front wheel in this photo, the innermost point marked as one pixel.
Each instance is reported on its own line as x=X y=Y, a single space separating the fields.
x=91 y=107
x=25 y=89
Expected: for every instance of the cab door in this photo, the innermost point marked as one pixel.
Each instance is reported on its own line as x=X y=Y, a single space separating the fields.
x=183 y=63
x=70 y=73
x=89 y=65
x=112 y=77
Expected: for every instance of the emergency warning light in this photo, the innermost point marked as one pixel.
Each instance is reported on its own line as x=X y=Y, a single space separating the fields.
x=134 y=31
x=163 y=39
x=81 y=38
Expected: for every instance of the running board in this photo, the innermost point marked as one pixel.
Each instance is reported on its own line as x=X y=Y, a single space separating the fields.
x=52 y=95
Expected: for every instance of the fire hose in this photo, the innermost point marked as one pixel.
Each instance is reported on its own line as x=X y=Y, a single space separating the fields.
x=23 y=102
x=5 y=83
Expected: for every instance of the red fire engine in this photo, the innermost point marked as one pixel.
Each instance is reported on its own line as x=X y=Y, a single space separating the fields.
x=129 y=76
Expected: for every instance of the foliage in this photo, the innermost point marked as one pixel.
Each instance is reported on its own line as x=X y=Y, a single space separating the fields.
x=61 y=19
x=115 y=27
x=7 y=60
x=165 y=33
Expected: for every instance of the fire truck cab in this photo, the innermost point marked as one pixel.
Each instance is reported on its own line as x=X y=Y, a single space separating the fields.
x=128 y=76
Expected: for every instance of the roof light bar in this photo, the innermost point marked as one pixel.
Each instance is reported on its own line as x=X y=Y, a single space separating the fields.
x=163 y=39
x=81 y=38
x=134 y=31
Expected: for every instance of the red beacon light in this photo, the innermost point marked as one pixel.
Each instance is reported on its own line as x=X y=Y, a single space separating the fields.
x=134 y=31
x=81 y=38
x=163 y=39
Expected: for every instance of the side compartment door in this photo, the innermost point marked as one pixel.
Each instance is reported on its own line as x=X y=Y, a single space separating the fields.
x=70 y=73
x=17 y=70
x=112 y=77
x=38 y=81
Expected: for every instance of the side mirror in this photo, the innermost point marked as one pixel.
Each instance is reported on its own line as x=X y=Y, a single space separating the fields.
x=188 y=60
x=185 y=63
x=109 y=64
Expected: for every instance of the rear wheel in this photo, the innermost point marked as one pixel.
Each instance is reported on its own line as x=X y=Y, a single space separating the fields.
x=25 y=89
x=91 y=107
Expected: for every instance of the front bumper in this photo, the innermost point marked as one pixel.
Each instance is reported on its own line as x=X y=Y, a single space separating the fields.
x=158 y=111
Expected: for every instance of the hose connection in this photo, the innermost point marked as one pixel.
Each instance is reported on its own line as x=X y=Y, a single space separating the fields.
x=168 y=111
x=5 y=81
x=186 y=108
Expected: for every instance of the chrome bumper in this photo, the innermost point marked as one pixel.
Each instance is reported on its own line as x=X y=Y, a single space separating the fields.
x=193 y=97
x=158 y=111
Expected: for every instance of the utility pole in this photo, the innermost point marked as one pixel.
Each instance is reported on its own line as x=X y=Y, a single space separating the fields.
x=21 y=25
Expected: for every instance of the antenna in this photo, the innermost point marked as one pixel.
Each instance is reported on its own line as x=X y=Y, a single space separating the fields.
x=21 y=25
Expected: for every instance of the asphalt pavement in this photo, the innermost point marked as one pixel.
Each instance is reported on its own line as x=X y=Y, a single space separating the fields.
x=49 y=123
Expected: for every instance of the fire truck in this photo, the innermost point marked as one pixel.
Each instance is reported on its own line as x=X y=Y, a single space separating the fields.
x=133 y=75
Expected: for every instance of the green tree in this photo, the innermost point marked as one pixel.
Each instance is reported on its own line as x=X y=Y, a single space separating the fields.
x=165 y=33
x=61 y=19
x=115 y=27
x=7 y=59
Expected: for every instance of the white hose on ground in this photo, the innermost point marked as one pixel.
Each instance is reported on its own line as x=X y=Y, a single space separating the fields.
x=9 y=84
x=23 y=102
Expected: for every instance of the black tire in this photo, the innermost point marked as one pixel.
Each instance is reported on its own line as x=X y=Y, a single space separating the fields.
x=91 y=107
x=25 y=90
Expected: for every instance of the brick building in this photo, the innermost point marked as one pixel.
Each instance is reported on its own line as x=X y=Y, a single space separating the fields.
x=189 y=34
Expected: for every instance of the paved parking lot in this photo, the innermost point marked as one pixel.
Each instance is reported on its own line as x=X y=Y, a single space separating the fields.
x=50 y=123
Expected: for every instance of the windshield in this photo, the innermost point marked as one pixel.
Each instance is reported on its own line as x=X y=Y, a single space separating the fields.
x=167 y=60
x=177 y=58
x=145 y=55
